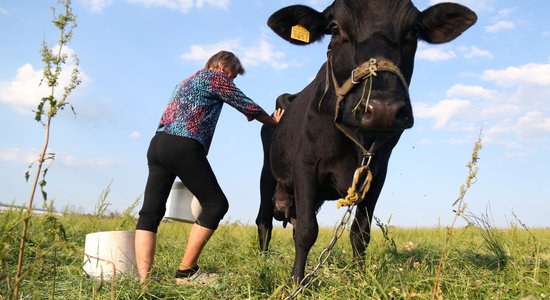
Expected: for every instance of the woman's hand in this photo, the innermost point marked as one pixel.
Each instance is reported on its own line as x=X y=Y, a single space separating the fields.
x=272 y=120
x=278 y=114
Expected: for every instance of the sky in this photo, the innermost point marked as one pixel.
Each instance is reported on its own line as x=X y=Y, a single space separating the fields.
x=494 y=80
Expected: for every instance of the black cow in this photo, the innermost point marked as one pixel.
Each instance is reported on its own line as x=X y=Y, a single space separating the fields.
x=354 y=110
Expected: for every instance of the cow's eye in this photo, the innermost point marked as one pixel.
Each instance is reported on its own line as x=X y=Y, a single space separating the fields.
x=334 y=29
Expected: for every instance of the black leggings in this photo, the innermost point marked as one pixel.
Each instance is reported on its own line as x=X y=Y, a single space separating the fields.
x=170 y=156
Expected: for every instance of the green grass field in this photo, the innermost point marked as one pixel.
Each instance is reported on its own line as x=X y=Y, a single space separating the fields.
x=481 y=263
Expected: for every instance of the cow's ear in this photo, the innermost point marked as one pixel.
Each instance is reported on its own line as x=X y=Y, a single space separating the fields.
x=298 y=24
x=444 y=22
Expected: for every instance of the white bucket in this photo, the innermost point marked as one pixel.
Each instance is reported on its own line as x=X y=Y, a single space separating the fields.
x=109 y=251
x=182 y=205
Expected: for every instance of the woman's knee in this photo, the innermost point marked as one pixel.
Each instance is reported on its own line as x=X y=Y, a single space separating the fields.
x=149 y=221
x=212 y=214
x=219 y=210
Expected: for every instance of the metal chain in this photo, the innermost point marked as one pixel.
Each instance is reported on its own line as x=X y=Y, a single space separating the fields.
x=305 y=282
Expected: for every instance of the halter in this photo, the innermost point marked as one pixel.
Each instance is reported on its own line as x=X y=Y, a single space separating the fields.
x=364 y=72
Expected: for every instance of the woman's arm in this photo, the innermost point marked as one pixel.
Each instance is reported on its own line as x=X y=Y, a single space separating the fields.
x=271 y=121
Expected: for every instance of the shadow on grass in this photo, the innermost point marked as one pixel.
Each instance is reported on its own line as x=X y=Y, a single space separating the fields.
x=487 y=261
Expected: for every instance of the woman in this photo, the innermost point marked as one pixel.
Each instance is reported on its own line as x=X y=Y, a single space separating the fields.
x=179 y=148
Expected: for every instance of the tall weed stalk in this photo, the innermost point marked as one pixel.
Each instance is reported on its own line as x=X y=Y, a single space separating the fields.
x=392 y=246
x=128 y=218
x=536 y=248
x=55 y=236
x=461 y=206
x=101 y=207
x=48 y=107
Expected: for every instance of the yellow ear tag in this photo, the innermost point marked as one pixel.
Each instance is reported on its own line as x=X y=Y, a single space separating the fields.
x=300 y=33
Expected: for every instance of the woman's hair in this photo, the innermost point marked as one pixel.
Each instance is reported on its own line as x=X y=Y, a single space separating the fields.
x=225 y=59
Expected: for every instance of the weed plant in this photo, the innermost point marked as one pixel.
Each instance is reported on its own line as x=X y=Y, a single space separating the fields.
x=407 y=271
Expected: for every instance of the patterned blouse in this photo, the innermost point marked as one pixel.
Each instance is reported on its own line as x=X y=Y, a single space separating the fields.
x=196 y=104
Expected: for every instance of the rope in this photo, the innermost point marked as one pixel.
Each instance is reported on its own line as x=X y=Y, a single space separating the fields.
x=353 y=197
x=363 y=96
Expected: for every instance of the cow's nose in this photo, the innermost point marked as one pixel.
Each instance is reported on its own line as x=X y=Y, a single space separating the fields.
x=387 y=115
x=404 y=117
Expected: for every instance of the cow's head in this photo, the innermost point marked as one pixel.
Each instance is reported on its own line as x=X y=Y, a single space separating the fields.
x=381 y=32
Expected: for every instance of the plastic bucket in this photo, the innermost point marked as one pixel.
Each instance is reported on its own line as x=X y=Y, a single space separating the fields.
x=108 y=252
x=182 y=205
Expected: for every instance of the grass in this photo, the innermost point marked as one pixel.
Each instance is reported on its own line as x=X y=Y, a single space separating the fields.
x=474 y=265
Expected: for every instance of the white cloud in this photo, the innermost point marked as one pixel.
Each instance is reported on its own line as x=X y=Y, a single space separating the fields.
x=533 y=124
x=16 y=155
x=264 y=54
x=202 y=53
x=505 y=12
x=499 y=26
x=529 y=74
x=183 y=5
x=444 y=110
x=260 y=54
x=3 y=11
x=495 y=136
x=72 y=161
x=438 y=53
x=222 y=4
x=471 y=91
x=435 y=54
x=475 y=52
x=24 y=91
x=525 y=132
x=498 y=110
x=96 y=5
x=319 y=4
x=135 y=134
x=8 y=155
x=476 y=5
x=11 y=155
x=515 y=115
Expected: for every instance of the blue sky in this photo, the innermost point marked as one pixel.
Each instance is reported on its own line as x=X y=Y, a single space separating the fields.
x=494 y=77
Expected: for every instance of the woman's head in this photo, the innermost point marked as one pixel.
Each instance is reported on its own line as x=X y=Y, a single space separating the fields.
x=227 y=62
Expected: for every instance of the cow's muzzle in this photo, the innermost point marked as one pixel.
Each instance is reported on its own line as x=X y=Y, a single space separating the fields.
x=384 y=111
x=389 y=117
x=384 y=115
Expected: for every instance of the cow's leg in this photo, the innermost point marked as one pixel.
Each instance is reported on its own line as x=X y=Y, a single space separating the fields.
x=264 y=220
x=361 y=227
x=306 y=229
x=360 y=231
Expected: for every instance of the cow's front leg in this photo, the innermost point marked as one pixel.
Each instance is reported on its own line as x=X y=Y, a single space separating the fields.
x=306 y=229
x=360 y=232
x=361 y=227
